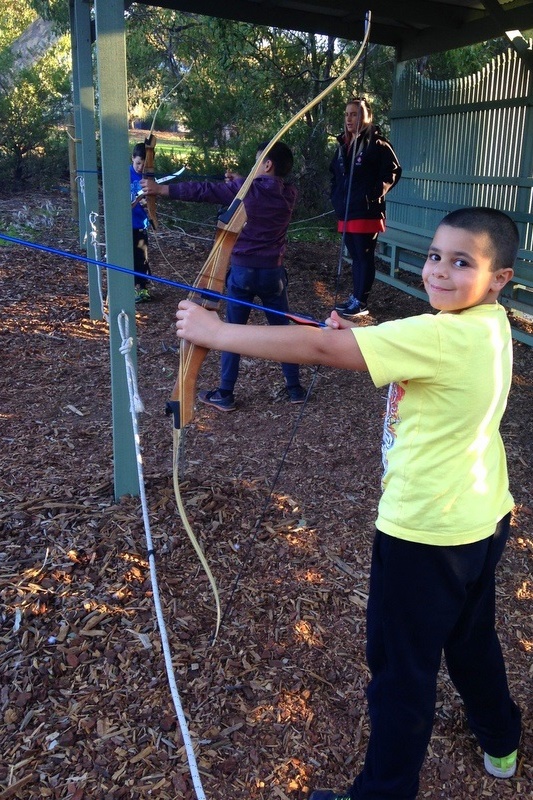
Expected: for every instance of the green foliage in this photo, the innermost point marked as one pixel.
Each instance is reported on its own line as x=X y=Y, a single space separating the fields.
x=154 y=37
x=55 y=10
x=378 y=82
x=33 y=102
x=169 y=160
x=40 y=167
x=462 y=61
x=314 y=229
x=29 y=115
x=14 y=19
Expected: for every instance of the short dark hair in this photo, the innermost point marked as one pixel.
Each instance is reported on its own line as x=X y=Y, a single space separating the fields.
x=499 y=227
x=139 y=151
x=280 y=155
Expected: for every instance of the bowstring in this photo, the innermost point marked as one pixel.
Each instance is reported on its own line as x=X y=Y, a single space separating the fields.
x=166 y=96
x=163 y=99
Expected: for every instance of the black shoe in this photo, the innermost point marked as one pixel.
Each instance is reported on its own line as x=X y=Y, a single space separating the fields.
x=297 y=394
x=355 y=309
x=215 y=399
x=329 y=794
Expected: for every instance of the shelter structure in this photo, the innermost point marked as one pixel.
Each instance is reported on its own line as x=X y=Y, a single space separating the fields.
x=441 y=168
x=460 y=142
x=414 y=28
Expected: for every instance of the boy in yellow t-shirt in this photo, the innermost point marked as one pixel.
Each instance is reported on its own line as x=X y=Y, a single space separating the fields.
x=444 y=514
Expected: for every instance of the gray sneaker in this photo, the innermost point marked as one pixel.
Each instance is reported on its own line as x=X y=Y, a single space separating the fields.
x=501 y=767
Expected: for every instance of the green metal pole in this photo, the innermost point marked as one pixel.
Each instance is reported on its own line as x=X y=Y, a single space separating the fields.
x=113 y=101
x=84 y=119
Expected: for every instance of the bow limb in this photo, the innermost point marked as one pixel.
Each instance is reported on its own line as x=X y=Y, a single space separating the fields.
x=181 y=406
x=213 y=278
x=149 y=174
x=312 y=103
x=190 y=533
x=148 y=171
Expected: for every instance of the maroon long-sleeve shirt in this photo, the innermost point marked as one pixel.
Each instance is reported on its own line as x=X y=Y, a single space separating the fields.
x=269 y=204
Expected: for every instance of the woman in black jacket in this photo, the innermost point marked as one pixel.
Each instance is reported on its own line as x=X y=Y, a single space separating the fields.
x=364 y=169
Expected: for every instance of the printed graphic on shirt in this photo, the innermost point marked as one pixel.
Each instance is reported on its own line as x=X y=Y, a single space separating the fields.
x=135 y=187
x=392 y=420
x=139 y=216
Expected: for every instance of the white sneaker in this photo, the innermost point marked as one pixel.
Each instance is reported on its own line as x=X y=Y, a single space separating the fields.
x=501 y=767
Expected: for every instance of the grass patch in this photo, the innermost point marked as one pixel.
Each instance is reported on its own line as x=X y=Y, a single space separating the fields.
x=174 y=149
x=322 y=228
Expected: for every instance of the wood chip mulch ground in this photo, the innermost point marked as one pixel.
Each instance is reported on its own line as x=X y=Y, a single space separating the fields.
x=276 y=705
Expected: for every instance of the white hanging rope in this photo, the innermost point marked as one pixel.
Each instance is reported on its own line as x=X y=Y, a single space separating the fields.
x=97 y=246
x=81 y=183
x=135 y=407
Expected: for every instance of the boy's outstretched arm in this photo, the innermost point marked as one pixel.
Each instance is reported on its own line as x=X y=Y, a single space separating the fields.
x=334 y=346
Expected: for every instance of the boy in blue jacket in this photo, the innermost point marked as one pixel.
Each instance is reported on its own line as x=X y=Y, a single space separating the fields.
x=140 y=224
x=445 y=509
x=256 y=264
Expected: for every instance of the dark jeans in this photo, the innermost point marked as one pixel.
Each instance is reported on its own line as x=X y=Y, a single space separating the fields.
x=361 y=248
x=425 y=600
x=270 y=285
x=140 y=256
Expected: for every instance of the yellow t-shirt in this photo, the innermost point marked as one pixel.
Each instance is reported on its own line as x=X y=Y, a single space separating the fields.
x=444 y=466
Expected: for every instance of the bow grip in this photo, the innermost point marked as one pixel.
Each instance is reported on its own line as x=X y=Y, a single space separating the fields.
x=173 y=408
x=230 y=213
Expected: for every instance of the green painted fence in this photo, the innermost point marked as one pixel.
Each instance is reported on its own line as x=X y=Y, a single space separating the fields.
x=462 y=142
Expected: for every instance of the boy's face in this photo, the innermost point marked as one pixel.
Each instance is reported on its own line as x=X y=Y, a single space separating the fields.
x=138 y=163
x=457 y=273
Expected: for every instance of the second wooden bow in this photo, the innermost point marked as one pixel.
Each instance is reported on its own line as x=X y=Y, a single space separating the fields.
x=149 y=174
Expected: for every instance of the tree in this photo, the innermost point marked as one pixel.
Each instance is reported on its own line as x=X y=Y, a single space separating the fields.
x=33 y=98
x=158 y=57
x=14 y=19
x=55 y=10
x=247 y=82
x=462 y=61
